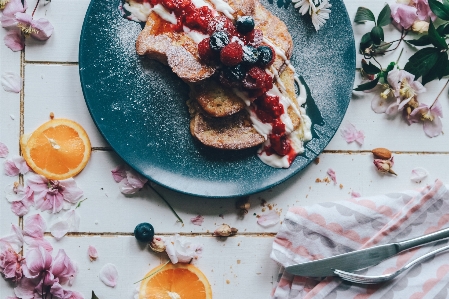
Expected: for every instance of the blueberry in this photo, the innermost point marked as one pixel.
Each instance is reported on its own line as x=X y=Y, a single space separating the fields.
x=218 y=40
x=234 y=73
x=245 y=24
x=144 y=232
x=250 y=54
x=265 y=55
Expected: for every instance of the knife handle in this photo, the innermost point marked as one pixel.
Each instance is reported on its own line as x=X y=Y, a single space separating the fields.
x=433 y=237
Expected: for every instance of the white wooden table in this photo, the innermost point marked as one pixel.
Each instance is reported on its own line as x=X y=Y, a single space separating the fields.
x=238 y=267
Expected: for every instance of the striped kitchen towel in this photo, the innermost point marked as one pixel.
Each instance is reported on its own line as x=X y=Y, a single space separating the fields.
x=328 y=229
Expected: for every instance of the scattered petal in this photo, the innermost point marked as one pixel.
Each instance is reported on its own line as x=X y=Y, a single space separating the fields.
x=14 y=239
x=355 y=194
x=11 y=82
x=34 y=226
x=269 y=219
x=350 y=134
x=419 y=174
x=92 y=252
x=118 y=173
x=331 y=174
x=129 y=181
x=59 y=229
x=109 y=275
x=179 y=249
x=3 y=150
x=197 y=220
x=16 y=165
x=15 y=41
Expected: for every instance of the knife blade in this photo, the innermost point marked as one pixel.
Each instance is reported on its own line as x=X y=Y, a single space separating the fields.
x=364 y=258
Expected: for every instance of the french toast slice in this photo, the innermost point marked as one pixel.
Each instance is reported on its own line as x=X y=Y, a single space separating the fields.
x=236 y=131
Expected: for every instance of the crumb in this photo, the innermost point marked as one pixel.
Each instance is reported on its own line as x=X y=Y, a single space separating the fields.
x=341 y=186
x=52 y=115
x=327 y=180
x=270 y=207
x=307 y=195
x=238 y=262
x=263 y=202
x=317 y=160
x=263 y=209
x=258 y=216
x=227 y=281
x=238 y=244
x=318 y=180
x=221 y=215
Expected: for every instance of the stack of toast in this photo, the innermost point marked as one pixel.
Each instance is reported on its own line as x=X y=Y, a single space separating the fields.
x=220 y=118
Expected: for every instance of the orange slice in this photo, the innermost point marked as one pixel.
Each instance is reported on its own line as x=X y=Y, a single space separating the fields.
x=58 y=150
x=175 y=281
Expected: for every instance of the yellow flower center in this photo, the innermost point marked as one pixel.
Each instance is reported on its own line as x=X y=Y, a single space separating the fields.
x=387 y=91
x=427 y=116
x=406 y=90
x=3 y=3
x=27 y=29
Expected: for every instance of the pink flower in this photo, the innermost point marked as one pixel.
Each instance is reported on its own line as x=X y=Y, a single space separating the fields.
x=40 y=29
x=350 y=134
x=179 y=249
x=51 y=195
x=20 y=197
x=12 y=7
x=423 y=10
x=129 y=181
x=38 y=262
x=431 y=118
x=63 y=268
x=3 y=150
x=197 y=220
x=10 y=262
x=15 y=41
x=403 y=15
x=25 y=289
x=15 y=166
x=385 y=165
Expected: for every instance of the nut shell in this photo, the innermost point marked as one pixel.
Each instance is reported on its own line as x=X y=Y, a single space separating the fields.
x=381 y=153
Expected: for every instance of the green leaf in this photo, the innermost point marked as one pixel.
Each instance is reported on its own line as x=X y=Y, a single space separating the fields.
x=364 y=14
x=443 y=29
x=370 y=68
x=367 y=86
x=422 y=41
x=382 y=48
x=365 y=42
x=441 y=10
x=94 y=296
x=438 y=70
x=436 y=38
x=377 y=35
x=390 y=67
x=422 y=61
x=384 y=17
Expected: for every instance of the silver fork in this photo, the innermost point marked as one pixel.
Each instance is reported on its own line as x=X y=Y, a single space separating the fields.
x=365 y=279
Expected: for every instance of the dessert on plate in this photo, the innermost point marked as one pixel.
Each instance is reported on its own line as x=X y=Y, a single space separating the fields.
x=234 y=55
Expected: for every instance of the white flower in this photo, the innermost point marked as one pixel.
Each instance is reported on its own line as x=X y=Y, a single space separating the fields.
x=320 y=14
x=179 y=249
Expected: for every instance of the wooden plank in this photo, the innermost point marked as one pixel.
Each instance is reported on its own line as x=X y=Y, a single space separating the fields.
x=57 y=89
x=67 y=17
x=237 y=267
x=107 y=210
x=9 y=129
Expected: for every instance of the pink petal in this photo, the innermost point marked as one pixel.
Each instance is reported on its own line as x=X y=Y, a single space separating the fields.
x=15 y=41
x=437 y=109
x=170 y=249
x=37 y=260
x=44 y=27
x=34 y=226
x=433 y=128
x=423 y=10
x=119 y=173
x=25 y=289
x=73 y=219
x=10 y=168
x=418 y=174
x=11 y=82
x=378 y=104
x=3 y=150
x=71 y=192
x=16 y=165
x=37 y=183
x=331 y=174
x=57 y=290
x=109 y=275
x=14 y=239
x=126 y=188
x=403 y=15
x=14 y=6
x=92 y=252
x=392 y=109
x=197 y=220
x=135 y=179
x=72 y=295
x=269 y=219
x=350 y=134
x=63 y=267
x=34 y=243
x=19 y=208
x=8 y=21
x=59 y=229
x=355 y=194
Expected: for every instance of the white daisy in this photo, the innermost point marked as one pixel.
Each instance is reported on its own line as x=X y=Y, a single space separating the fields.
x=320 y=14
x=303 y=5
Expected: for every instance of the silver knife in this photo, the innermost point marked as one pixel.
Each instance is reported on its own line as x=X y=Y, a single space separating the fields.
x=361 y=259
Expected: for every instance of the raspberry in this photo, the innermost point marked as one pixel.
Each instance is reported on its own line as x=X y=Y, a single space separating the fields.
x=280 y=144
x=231 y=54
x=254 y=38
x=257 y=78
x=206 y=53
x=221 y=23
x=199 y=19
x=174 y=4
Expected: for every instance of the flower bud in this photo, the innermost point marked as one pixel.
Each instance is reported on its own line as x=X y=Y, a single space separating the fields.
x=157 y=245
x=420 y=26
x=225 y=231
x=384 y=165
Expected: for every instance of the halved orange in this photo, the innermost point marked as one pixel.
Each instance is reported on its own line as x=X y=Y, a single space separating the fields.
x=59 y=149
x=175 y=281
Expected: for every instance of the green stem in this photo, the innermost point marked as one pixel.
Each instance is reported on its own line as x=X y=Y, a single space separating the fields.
x=152 y=274
x=168 y=204
x=441 y=91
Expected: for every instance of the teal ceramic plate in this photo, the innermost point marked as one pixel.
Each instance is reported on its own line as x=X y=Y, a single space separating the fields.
x=139 y=104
